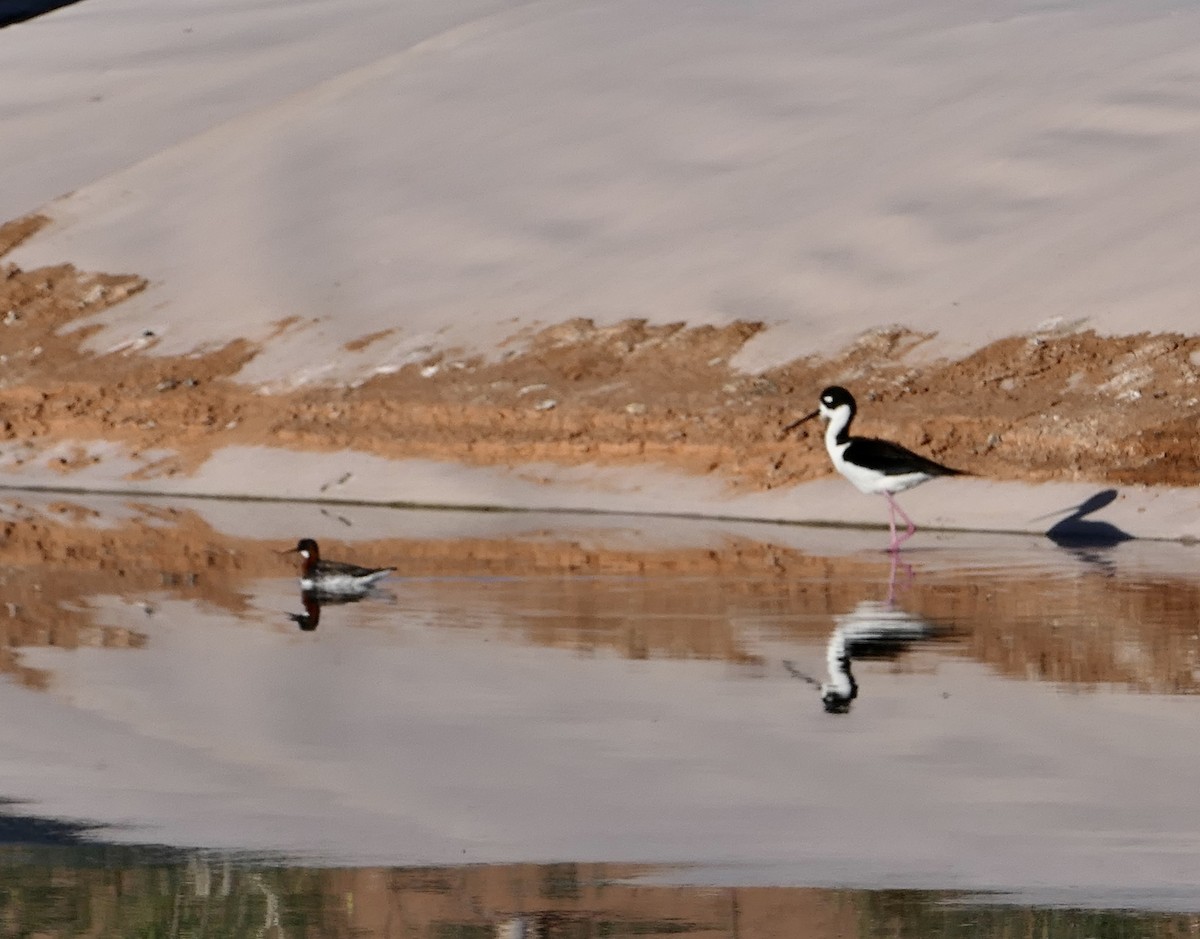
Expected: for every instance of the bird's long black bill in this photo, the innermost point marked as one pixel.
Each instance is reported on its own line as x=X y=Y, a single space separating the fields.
x=794 y=424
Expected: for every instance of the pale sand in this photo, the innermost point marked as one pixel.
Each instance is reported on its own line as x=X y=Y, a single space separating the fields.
x=971 y=170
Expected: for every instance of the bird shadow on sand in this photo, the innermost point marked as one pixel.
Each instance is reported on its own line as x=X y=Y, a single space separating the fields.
x=1078 y=531
x=1089 y=539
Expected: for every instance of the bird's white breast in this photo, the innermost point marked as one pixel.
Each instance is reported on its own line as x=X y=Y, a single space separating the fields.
x=869 y=480
x=340 y=583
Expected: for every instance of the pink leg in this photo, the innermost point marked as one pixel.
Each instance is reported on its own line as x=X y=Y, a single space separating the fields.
x=894 y=508
x=893 y=543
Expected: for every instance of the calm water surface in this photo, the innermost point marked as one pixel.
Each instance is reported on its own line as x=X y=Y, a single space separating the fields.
x=576 y=726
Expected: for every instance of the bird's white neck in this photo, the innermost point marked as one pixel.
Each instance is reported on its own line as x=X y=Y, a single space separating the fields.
x=839 y=424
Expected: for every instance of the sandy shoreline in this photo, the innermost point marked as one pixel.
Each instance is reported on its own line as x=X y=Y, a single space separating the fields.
x=1059 y=406
x=561 y=255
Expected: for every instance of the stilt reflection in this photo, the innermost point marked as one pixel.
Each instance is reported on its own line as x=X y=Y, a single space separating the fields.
x=874 y=629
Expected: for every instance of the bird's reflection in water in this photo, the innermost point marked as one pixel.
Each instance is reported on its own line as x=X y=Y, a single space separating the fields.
x=313 y=600
x=874 y=629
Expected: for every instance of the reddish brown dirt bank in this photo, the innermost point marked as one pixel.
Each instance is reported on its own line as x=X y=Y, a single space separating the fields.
x=1070 y=405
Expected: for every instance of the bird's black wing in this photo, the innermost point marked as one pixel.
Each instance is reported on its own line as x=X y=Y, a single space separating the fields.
x=891 y=459
x=348 y=570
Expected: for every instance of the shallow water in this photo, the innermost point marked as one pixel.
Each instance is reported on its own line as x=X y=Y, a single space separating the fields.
x=109 y=891
x=701 y=727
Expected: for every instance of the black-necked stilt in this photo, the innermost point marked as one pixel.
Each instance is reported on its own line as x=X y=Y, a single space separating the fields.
x=873 y=466
x=333 y=577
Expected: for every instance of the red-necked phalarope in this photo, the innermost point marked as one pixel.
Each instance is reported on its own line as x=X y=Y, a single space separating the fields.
x=333 y=577
x=873 y=466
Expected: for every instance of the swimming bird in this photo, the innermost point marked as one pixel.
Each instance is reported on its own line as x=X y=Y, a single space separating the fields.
x=333 y=577
x=872 y=466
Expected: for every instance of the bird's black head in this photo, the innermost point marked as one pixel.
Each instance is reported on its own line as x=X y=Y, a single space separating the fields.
x=832 y=398
x=307 y=548
x=835 y=396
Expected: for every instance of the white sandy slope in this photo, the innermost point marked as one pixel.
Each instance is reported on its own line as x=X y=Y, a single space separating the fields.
x=457 y=171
